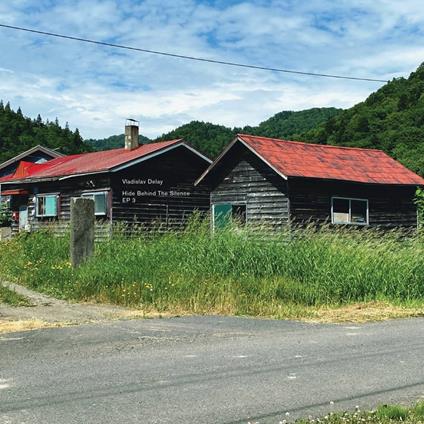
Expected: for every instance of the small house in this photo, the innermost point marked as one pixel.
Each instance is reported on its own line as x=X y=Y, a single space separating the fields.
x=261 y=180
x=137 y=184
x=37 y=154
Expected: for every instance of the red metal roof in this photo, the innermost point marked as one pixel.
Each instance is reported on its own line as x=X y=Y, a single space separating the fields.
x=86 y=163
x=298 y=159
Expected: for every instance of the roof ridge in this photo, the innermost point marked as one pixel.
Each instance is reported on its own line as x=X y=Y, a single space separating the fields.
x=118 y=148
x=312 y=144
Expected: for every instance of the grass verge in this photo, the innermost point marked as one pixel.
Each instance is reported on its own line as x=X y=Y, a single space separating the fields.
x=325 y=275
x=385 y=414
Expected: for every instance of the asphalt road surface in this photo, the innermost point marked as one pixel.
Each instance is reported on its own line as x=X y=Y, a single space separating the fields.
x=206 y=370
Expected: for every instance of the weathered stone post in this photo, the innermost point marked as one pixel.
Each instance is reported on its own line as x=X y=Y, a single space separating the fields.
x=82 y=229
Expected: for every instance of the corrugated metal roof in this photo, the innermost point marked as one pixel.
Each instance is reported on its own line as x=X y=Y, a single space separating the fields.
x=298 y=159
x=86 y=163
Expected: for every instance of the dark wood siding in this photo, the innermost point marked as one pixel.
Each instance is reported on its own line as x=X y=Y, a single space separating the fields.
x=389 y=206
x=243 y=178
x=67 y=189
x=160 y=190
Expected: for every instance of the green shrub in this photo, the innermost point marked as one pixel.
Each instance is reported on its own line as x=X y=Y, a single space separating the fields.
x=5 y=215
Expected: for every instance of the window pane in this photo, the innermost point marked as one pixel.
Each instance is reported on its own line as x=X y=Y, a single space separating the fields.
x=222 y=215
x=359 y=211
x=40 y=205
x=341 y=211
x=100 y=203
x=50 y=205
x=239 y=213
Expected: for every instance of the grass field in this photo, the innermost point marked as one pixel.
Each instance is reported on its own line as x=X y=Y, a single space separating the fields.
x=234 y=271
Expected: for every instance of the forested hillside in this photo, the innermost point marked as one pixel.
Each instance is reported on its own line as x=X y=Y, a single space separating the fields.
x=210 y=139
x=391 y=119
x=19 y=133
x=291 y=125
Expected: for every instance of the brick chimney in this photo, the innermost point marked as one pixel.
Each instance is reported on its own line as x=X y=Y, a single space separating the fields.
x=131 y=134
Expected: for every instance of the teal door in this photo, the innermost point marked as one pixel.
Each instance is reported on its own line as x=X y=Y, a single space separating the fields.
x=221 y=215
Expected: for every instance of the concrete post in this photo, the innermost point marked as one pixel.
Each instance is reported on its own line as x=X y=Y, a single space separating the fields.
x=82 y=229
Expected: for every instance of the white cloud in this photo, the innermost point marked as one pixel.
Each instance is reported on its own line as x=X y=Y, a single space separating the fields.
x=96 y=88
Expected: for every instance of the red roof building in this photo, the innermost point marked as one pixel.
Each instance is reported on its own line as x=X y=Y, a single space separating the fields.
x=89 y=163
x=278 y=181
x=135 y=185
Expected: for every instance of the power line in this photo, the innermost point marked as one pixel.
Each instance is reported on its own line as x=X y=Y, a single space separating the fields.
x=180 y=56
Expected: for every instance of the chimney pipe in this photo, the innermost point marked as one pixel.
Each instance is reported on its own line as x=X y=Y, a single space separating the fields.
x=131 y=134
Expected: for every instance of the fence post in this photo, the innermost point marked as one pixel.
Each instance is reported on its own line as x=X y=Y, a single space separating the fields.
x=82 y=229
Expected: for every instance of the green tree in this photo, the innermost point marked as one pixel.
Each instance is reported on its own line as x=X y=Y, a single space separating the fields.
x=391 y=119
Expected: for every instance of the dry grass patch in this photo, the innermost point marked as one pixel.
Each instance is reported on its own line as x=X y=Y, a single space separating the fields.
x=363 y=312
x=26 y=325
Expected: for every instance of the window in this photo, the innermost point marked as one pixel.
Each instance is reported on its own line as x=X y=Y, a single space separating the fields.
x=349 y=211
x=46 y=205
x=224 y=213
x=100 y=201
x=238 y=213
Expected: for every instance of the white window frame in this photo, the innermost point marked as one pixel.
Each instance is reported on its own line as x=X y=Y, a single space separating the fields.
x=93 y=193
x=38 y=196
x=350 y=210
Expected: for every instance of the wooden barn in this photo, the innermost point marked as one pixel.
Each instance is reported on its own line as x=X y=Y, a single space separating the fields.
x=138 y=184
x=277 y=182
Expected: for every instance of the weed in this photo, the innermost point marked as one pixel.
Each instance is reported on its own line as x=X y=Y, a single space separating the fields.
x=392 y=412
x=9 y=297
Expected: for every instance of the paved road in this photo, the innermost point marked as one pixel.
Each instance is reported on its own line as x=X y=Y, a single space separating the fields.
x=206 y=370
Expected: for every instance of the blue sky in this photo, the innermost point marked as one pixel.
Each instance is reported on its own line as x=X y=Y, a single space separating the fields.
x=96 y=88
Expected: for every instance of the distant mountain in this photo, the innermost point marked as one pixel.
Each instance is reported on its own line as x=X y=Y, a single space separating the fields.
x=19 y=133
x=210 y=139
x=112 y=142
x=289 y=124
x=391 y=119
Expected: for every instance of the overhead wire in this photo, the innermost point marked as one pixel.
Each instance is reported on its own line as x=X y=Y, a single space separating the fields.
x=187 y=57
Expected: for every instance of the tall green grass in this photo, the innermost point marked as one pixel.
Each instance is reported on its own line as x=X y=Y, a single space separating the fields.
x=242 y=271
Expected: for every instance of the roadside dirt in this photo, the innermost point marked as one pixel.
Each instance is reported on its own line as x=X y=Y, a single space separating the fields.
x=47 y=311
